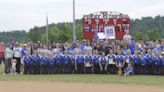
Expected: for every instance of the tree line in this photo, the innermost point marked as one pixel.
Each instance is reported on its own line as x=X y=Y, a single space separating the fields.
x=146 y=28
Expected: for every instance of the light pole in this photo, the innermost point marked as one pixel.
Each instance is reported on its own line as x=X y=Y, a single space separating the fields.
x=74 y=23
x=46 y=29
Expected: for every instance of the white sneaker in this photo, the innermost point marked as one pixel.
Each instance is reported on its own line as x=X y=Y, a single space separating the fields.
x=4 y=73
x=21 y=73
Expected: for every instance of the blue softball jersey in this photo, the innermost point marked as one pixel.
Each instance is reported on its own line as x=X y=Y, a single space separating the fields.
x=80 y=59
x=119 y=59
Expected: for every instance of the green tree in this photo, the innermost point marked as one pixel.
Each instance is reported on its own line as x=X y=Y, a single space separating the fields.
x=79 y=32
x=139 y=35
x=35 y=34
x=153 y=34
x=68 y=31
x=62 y=36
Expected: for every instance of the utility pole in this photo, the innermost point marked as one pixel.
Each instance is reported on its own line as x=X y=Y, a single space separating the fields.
x=74 y=23
x=46 y=29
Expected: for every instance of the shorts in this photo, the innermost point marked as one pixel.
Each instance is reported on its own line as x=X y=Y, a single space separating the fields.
x=2 y=59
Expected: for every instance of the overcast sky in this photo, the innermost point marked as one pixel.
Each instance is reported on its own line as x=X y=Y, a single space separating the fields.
x=25 y=14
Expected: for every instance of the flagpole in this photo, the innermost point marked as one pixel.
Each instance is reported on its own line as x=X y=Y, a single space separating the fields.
x=74 y=23
x=46 y=29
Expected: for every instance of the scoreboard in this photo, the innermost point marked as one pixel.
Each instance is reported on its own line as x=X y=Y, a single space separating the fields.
x=96 y=22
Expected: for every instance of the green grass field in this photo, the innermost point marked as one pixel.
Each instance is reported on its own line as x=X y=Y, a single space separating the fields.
x=84 y=78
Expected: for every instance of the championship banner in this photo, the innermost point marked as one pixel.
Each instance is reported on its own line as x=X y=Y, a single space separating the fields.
x=109 y=32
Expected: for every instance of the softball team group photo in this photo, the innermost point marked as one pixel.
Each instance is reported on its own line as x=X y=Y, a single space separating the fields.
x=126 y=57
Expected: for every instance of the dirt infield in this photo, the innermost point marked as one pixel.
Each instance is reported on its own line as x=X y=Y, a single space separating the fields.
x=22 y=86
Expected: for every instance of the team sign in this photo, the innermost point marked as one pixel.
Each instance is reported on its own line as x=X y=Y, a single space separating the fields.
x=107 y=25
x=109 y=32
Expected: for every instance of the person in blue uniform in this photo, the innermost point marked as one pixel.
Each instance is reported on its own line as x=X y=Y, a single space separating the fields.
x=32 y=63
x=110 y=65
x=136 y=62
x=27 y=64
x=72 y=60
x=128 y=58
x=59 y=63
x=143 y=63
x=102 y=63
x=88 y=63
x=44 y=64
x=66 y=63
x=162 y=63
x=24 y=52
x=35 y=63
x=95 y=58
x=38 y=60
x=120 y=62
x=55 y=64
x=157 y=62
x=129 y=70
x=150 y=64
x=51 y=64
x=79 y=63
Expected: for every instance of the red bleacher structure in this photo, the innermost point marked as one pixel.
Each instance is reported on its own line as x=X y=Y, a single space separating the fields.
x=96 y=22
